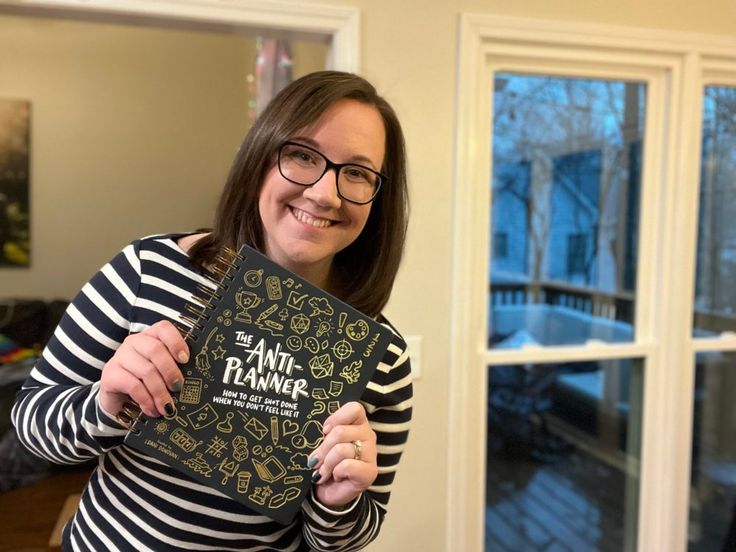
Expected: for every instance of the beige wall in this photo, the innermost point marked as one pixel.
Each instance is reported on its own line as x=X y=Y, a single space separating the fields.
x=409 y=52
x=132 y=133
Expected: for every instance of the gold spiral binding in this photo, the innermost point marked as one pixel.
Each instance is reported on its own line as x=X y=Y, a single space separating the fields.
x=189 y=326
x=129 y=415
x=191 y=321
x=199 y=313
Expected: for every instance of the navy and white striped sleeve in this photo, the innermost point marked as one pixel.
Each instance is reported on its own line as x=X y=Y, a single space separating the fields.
x=56 y=412
x=388 y=403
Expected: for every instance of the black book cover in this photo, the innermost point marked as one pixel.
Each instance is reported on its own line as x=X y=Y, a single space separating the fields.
x=271 y=357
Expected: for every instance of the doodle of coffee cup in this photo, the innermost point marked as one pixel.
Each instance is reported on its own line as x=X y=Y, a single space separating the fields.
x=310 y=435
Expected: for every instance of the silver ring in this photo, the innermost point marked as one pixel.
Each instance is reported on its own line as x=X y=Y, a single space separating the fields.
x=358 y=446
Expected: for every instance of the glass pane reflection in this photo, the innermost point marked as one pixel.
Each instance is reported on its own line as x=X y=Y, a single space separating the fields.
x=565 y=213
x=713 y=475
x=563 y=456
x=715 y=293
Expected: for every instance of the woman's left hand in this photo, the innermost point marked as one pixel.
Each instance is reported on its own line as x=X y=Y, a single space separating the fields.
x=346 y=459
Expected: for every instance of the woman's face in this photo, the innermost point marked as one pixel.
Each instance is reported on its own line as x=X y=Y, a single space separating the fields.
x=304 y=227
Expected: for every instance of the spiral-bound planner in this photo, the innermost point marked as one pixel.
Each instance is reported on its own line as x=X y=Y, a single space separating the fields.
x=271 y=356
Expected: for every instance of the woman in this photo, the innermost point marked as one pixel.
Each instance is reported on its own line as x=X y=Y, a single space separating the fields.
x=319 y=186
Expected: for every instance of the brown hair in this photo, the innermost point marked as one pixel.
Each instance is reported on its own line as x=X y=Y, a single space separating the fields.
x=363 y=273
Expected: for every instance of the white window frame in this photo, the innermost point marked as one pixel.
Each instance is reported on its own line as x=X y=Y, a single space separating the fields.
x=674 y=66
x=338 y=24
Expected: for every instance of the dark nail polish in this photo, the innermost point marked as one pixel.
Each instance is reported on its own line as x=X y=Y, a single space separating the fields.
x=316 y=476
x=312 y=462
x=176 y=386
x=169 y=408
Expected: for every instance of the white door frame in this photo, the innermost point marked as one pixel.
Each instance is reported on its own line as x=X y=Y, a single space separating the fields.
x=673 y=66
x=341 y=25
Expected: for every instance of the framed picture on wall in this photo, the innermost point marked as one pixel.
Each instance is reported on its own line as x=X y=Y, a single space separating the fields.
x=14 y=183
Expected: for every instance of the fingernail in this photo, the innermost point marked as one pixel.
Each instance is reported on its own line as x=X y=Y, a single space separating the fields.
x=312 y=462
x=169 y=408
x=326 y=428
x=316 y=476
x=183 y=356
x=176 y=386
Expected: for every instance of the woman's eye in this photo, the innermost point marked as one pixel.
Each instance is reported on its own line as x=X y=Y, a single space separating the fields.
x=357 y=174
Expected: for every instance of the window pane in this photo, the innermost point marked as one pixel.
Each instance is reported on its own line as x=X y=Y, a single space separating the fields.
x=715 y=292
x=563 y=456
x=713 y=474
x=565 y=213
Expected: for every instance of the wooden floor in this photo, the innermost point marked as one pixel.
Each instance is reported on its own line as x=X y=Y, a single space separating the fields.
x=574 y=504
x=29 y=513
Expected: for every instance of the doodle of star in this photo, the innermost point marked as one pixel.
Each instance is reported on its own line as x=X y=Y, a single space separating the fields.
x=220 y=338
x=218 y=353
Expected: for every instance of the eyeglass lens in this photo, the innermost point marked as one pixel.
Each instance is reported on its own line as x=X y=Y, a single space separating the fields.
x=306 y=166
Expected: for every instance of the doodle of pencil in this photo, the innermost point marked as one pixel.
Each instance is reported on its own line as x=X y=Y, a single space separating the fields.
x=275 y=430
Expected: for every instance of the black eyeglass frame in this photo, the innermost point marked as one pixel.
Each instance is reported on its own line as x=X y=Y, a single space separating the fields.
x=337 y=167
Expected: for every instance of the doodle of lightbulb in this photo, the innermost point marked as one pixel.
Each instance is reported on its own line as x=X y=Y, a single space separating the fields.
x=323 y=328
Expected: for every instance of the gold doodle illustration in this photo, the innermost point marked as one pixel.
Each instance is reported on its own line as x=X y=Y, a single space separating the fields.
x=288 y=427
x=273 y=288
x=300 y=324
x=226 y=426
x=352 y=373
x=198 y=465
x=219 y=353
x=203 y=417
x=311 y=344
x=321 y=366
x=252 y=278
x=285 y=449
x=299 y=462
x=342 y=349
x=270 y=470
x=278 y=500
x=357 y=331
x=161 y=427
x=202 y=360
x=333 y=406
x=320 y=393
x=283 y=314
x=320 y=305
x=260 y=494
x=292 y=479
x=247 y=301
x=216 y=447
x=342 y=318
x=240 y=448
x=243 y=481
x=258 y=450
x=228 y=468
x=310 y=435
x=274 y=429
x=183 y=440
x=296 y=300
x=324 y=328
x=289 y=282
x=335 y=388
x=254 y=426
x=319 y=408
x=191 y=391
x=325 y=344
x=294 y=342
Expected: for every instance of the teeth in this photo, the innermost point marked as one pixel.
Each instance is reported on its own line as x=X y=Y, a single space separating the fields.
x=301 y=216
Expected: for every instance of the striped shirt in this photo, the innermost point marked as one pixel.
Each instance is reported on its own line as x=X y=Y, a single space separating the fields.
x=133 y=502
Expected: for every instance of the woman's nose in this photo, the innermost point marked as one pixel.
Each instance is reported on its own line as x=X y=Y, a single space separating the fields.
x=324 y=191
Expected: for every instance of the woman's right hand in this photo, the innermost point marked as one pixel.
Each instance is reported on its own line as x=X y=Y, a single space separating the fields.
x=144 y=369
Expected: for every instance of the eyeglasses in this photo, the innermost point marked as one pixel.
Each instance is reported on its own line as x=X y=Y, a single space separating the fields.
x=305 y=166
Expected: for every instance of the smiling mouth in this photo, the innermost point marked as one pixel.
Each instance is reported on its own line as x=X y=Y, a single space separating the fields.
x=306 y=218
